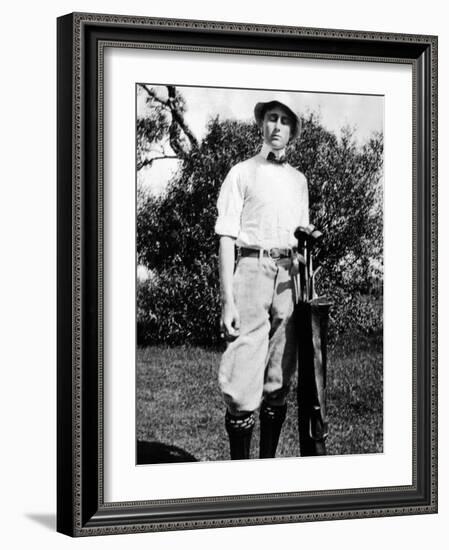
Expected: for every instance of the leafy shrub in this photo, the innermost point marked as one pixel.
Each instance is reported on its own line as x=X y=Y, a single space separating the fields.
x=180 y=306
x=176 y=240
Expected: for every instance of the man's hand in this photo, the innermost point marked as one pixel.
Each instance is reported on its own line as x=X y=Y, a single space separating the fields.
x=230 y=321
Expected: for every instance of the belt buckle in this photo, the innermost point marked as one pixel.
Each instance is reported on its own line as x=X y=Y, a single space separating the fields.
x=275 y=253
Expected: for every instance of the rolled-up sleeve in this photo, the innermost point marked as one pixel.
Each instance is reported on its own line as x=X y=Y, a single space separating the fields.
x=230 y=205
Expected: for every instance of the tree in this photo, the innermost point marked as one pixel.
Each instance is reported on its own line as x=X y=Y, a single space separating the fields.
x=181 y=223
x=162 y=133
x=345 y=191
x=175 y=232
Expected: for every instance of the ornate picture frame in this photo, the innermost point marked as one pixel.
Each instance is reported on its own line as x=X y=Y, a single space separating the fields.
x=81 y=508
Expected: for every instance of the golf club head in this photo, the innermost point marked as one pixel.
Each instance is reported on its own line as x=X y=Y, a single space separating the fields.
x=300 y=232
x=302 y=236
x=309 y=229
x=309 y=233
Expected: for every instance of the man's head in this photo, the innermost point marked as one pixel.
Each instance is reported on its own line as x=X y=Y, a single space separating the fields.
x=278 y=123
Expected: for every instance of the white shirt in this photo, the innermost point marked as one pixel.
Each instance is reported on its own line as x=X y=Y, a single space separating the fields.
x=262 y=203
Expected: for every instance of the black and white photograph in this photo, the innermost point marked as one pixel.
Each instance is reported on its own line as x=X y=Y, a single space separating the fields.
x=223 y=296
x=259 y=273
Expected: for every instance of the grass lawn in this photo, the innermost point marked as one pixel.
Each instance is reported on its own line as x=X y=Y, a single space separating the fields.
x=180 y=412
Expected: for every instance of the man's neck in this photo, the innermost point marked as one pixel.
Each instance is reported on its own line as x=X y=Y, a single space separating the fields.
x=266 y=150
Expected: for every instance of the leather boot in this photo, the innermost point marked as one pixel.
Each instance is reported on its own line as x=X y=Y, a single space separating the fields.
x=271 y=420
x=240 y=429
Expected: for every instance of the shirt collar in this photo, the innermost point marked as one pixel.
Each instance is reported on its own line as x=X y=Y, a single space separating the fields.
x=266 y=150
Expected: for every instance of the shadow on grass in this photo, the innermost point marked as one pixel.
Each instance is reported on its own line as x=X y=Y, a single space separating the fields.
x=153 y=452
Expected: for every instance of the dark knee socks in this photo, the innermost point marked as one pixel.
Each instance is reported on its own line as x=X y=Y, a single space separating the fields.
x=240 y=429
x=271 y=419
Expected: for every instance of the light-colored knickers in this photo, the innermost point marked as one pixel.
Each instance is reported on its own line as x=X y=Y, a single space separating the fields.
x=260 y=363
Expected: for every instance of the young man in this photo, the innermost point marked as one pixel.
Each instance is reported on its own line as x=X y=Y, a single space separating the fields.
x=261 y=202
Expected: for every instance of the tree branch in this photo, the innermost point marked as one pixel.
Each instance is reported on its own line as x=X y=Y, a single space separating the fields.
x=177 y=118
x=149 y=162
x=150 y=92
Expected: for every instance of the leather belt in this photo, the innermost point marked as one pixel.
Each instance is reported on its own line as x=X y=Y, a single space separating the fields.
x=273 y=253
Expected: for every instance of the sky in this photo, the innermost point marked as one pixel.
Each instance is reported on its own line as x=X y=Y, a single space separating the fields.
x=363 y=113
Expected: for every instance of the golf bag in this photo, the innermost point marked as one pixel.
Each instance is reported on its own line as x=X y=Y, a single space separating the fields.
x=312 y=322
x=312 y=318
